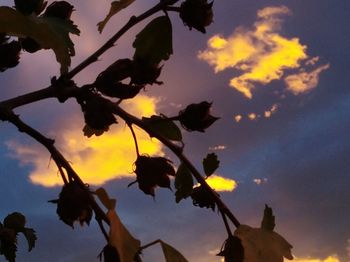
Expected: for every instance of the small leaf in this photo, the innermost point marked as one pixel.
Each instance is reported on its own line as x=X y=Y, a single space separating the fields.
x=154 y=43
x=29 y=234
x=15 y=221
x=268 y=222
x=183 y=183
x=102 y=195
x=49 y=32
x=164 y=126
x=210 y=164
x=171 y=254
x=116 y=6
x=120 y=238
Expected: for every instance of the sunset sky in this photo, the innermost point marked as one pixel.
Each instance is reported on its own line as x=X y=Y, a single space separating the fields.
x=277 y=73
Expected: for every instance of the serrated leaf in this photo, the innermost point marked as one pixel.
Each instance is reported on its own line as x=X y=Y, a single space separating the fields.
x=171 y=254
x=49 y=32
x=29 y=234
x=89 y=131
x=183 y=183
x=210 y=164
x=164 y=126
x=268 y=221
x=102 y=195
x=15 y=221
x=155 y=42
x=120 y=238
x=116 y=6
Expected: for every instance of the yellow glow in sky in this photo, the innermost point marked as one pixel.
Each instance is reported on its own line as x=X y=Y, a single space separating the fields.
x=221 y=184
x=328 y=259
x=96 y=159
x=261 y=53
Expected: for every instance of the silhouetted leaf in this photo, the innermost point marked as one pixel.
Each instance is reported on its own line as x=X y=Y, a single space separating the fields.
x=15 y=221
x=171 y=254
x=197 y=14
x=8 y=240
x=116 y=6
x=154 y=43
x=89 y=131
x=109 y=254
x=263 y=245
x=102 y=195
x=183 y=183
x=29 y=234
x=120 y=238
x=232 y=250
x=268 y=221
x=152 y=172
x=210 y=164
x=201 y=197
x=49 y=32
x=164 y=126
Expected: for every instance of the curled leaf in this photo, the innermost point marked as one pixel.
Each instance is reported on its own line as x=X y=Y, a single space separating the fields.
x=171 y=254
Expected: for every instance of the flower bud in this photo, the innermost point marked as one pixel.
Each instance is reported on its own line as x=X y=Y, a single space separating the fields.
x=9 y=55
x=197 y=117
x=59 y=9
x=232 y=250
x=197 y=14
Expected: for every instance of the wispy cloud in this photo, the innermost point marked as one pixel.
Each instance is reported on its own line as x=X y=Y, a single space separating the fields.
x=96 y=159
x=304 y=81
x=260 y=53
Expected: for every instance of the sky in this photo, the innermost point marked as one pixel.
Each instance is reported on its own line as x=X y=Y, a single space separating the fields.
x=277 y=74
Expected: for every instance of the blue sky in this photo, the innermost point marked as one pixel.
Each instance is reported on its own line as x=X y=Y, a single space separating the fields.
x=294 y=158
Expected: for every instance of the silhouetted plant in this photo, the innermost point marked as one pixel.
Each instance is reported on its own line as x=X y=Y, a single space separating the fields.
x=32 y=25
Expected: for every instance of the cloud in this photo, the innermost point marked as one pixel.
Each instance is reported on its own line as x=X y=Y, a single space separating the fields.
x=260 y=53
x=221 y=184
x=304 y=81
x=260 y=181
x=332 y=258
x=96 y=159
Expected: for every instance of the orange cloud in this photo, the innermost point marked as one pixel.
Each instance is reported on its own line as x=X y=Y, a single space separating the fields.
x=332 y=258
x=304 y=81
x=260 y=53
x=96 y=159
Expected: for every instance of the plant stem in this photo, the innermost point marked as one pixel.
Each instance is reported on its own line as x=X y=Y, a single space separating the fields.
x=163 y=5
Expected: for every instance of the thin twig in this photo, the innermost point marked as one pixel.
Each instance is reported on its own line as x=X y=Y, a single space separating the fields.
x=227 y=226
x=150 y=244
x=134 y=137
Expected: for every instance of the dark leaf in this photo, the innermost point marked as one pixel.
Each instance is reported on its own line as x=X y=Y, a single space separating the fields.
x=29 y=234
x=154 y=42
x=201 y=197
x=145 y=72
x=268 y=221
x=232 y=250
x=197 y=14
x=164 y=126
x=197 y=117
x=9 y=55
x=110 y=254
x=59 y=9
x=15 y=221
x=171 y=254
x=152 y=172
x=74 y=204
x=28 y=7
x=183 y=183
x=8 y=240
x=120 y=90
x=49 y=32
x=210 y=164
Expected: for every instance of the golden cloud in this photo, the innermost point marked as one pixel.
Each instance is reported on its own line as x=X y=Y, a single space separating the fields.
x=332 y=258
x=260 y=53
x=304 y=81
x=96 y=159
x=221 y=184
